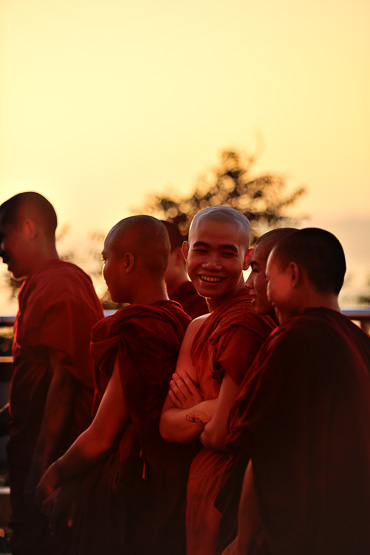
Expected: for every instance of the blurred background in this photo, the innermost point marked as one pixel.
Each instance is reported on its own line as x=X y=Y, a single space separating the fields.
x=107 y=108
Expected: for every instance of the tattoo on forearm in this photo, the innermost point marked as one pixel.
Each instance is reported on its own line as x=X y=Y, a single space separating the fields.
x=194 y=419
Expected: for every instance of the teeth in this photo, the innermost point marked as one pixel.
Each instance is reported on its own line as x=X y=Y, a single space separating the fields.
x=211 y=279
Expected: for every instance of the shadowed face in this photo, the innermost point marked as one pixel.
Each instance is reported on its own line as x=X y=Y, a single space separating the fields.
x=216 y=256
x=279 y=289
x=113 y=270
x=14 y=249
x=257 y=281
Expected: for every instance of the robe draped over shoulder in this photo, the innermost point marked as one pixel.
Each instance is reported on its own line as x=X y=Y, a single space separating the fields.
x=227 y=342
x=134 y=502
x=303 y=416
x=57 y=309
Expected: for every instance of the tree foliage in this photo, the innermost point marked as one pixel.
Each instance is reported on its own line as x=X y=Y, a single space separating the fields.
x=261 y=198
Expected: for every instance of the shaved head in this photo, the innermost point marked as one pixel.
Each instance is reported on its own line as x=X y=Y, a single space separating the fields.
x=319 y=253
x=32 y=206
x=269 y=239
x=223 y=214
x=146 y=238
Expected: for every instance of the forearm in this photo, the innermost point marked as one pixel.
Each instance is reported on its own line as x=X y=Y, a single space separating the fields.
x=183 y=425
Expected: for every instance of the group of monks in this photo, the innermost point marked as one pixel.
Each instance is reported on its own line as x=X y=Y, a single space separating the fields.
x=207 y=416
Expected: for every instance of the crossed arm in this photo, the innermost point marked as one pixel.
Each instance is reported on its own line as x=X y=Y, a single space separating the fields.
x=185 y=414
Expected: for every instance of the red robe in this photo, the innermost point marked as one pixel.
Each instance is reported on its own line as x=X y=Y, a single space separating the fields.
x=303 y=416
x=57 y=309
x=228 y=341
x=191 y=302
x=134 y=502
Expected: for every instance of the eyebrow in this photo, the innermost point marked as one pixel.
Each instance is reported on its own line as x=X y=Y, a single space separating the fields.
x=228 y=247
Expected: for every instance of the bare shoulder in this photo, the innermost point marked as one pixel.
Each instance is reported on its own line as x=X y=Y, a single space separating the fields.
x=193 y=327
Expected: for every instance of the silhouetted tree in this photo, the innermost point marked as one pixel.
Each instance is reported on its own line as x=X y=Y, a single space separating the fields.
x=261 y=198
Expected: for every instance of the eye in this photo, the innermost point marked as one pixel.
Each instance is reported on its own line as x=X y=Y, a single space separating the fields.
x=199 y=250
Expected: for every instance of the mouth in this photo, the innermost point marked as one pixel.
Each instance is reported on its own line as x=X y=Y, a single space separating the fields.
x=211 y=279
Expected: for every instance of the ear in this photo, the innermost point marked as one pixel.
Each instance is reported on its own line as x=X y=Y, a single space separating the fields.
x=295 y=274
x=128 y=262
x=247 y=259
x=29 y=228
x=185 y=249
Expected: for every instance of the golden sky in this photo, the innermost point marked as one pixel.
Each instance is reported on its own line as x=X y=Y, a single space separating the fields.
x=103 y=102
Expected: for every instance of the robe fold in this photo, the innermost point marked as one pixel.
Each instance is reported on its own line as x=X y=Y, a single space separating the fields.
x=191 y=302
x=57 y=309
x=227 y=341
x=134 y=502
x=303 y=416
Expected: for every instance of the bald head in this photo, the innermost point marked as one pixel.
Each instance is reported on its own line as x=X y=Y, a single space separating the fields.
x=33 y=206
x=146 y=238
x=319 y=253
x=223 y=214
x=268 y=240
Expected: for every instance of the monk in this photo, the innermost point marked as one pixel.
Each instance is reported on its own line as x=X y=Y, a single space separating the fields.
x=52 y=382
x=229 y=495
x=134 y=483
x=179 y=286
x=216 y=353
x=302 y=417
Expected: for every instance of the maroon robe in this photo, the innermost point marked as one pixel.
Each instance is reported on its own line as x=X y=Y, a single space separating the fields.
x=303 y=415
x=57 y=309
x=227 y=341
x=134 y=502
x=191 y=302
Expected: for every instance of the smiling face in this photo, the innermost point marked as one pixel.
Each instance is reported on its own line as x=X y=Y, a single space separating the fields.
x=216 y=255
x=257 y=281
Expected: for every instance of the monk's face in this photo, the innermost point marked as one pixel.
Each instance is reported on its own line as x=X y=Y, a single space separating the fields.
x=216 y=256
x=280 y=289
x=257 y=281
x=14 y=248
x=112 y=270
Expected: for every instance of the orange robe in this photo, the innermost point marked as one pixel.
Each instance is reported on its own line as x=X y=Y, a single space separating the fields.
x=303 y=416
x=57 y=309
x=134 y=502
x=227 y=341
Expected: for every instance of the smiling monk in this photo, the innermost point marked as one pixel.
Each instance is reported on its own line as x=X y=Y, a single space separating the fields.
x=216 y=353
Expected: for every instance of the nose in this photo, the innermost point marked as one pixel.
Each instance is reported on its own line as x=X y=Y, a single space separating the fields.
x=213 y=262
x=249 y=283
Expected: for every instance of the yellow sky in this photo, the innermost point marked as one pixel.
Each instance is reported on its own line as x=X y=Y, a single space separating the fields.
x=102 y=102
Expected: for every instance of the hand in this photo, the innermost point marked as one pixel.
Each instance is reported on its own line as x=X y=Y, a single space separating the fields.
x=61 y=507
x=47 y=485
x=184 y=393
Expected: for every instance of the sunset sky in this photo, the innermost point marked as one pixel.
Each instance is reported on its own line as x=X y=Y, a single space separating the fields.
x=104 y=102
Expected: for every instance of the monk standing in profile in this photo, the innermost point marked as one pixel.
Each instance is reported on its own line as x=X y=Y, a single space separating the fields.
x=303 y=415
x=216 y=353
x=134 y=483
x=52 y=382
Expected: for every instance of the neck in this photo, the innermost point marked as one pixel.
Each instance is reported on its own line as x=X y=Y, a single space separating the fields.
x=150 y=294
x=215 y=302
x=42 y=255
